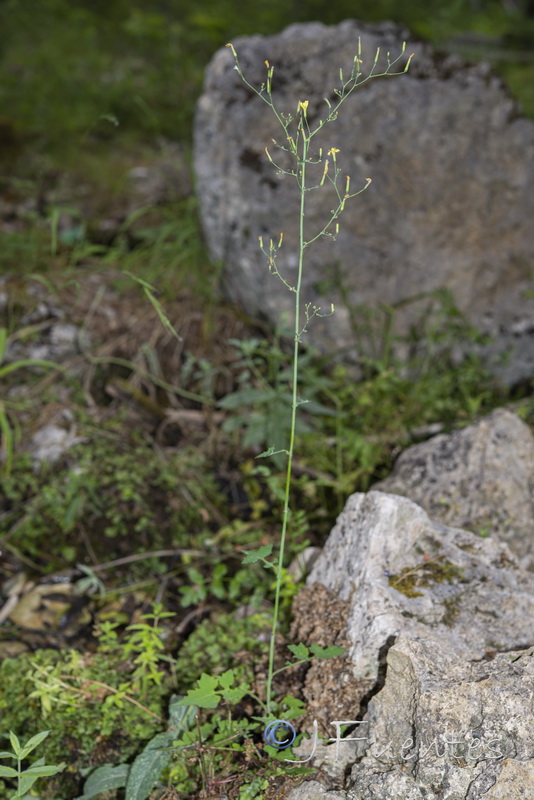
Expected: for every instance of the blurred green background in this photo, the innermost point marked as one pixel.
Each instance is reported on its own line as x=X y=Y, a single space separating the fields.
x=81 y=74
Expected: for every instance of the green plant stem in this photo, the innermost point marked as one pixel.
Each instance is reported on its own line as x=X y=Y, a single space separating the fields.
x=299 y=148
x=294 y=406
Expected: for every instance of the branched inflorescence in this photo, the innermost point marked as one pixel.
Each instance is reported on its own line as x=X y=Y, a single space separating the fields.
x=297 y=141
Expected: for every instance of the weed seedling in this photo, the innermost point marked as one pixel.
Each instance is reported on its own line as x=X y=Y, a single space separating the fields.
x=25 y=778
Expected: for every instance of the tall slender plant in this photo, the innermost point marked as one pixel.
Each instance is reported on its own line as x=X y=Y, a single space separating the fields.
x=298 y=138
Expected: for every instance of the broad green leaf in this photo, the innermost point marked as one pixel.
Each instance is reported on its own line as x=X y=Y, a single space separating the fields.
x=181 y=717
x=148 y=766
x=313 y=407
x=218 y=589
x=279 y=755
x=194 y=575
x=256 y=432
x=251 y=556
x=6 y=754
x=233 y=423
x=245 y=397
x=234 y=695
x=205 y=695
x=302 y=426
x=299 y=650
x=227 y=679
x=326 y=652
x=293 y=707
x=105 y=779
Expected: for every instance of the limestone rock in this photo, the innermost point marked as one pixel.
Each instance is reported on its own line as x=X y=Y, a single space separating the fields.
x=515 y=781
x=312 y=790
x=441 y=621
x=440 y=729
x=51 y=441
x=480 y=478
x=448 y=729
x=452 y=198
x=404 y=574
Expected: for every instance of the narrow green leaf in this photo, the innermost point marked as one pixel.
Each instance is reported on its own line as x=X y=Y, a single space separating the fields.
x=313 y=407
x=45 y=769
x=15 y=744
x=3 y=340
x=25 y=784
x=272 y=452
x=267 y=453
x=29 y=362
x=7 y=438
x=32 y=743
x=150 y=294
x=8 y=772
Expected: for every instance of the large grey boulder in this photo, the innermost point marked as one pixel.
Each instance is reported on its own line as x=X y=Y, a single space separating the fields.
x=438 y=623
x=480 y=478
x=444 y=729
x=441 y=728
x=402 y=573
x=451 y=203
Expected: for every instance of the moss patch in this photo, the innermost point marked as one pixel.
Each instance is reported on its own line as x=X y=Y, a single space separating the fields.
x=408 y=580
